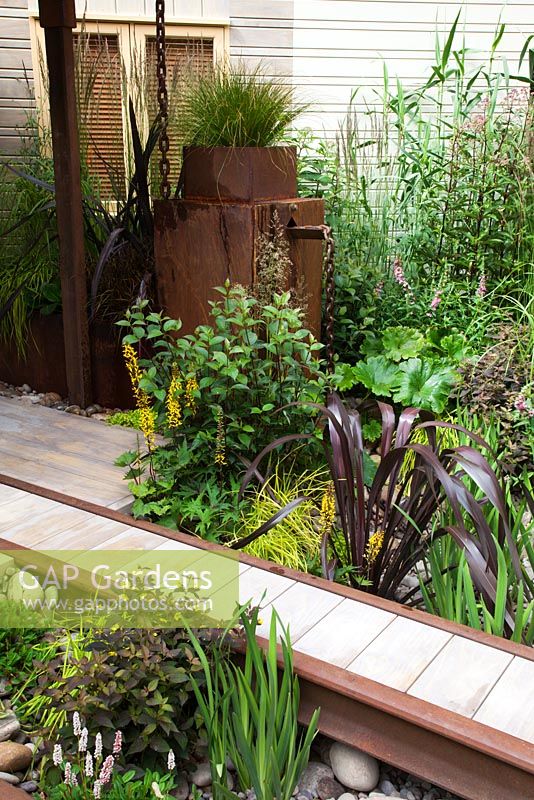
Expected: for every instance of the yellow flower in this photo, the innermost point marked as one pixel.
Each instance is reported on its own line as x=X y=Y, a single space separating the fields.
x=220 y=442
x=374 y=546
x=172 y=401
x=328 y=509
x=190 y=388
x=147 y=418
x=132 y=365
x=147 y=421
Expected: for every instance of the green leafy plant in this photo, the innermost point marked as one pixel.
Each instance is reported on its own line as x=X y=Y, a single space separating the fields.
x=211 y=395
x=449 y=592
x=429 y=198
x=17 y=652
x=138 y=681
x=295 y=542
x=234 y=106
x=125 y=419
x=411 y=368
x=251 y=714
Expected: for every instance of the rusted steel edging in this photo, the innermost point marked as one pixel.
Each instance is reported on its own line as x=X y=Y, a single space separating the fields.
x=357 y=707
x=468 y=772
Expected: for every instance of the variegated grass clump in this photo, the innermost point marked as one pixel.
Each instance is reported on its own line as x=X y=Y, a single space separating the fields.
x=295 y=542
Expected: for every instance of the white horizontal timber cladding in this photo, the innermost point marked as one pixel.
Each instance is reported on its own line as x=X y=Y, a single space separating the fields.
x=175 y=10
x=328 y=48
x=16 y=74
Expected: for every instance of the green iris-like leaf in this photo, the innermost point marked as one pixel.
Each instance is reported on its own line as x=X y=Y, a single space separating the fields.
x=400 y=343
x=425 y=384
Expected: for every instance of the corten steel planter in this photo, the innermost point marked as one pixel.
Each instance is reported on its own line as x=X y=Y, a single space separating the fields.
x=43 y=365
x=243 y=174
x=230 y=196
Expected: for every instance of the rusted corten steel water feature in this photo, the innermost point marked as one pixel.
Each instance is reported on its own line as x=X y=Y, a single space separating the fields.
x=230 y=196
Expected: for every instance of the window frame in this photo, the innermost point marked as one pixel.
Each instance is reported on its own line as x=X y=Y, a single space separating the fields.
x=132 y=33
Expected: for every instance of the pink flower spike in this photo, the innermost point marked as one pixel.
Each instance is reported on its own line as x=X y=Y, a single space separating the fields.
x=76 y=724
x=57 y=755
x=482 y=288
x=98 y=746
x=97 y=790
x=436 y=301
x=89 y=770
x=82 y=743
x=67 y=776
x=106 y=771
x=398 y=274
x=117 y=744
x=171 y=761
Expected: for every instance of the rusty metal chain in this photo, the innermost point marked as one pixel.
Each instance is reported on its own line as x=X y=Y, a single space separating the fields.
x=163 y=100
x=329 y=295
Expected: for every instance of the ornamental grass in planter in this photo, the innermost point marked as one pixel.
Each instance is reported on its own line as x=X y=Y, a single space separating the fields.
x=234 y=120
x=234 y=107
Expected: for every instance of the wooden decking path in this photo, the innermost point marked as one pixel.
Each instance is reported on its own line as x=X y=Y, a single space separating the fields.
x=70 y=454
x=449 y=704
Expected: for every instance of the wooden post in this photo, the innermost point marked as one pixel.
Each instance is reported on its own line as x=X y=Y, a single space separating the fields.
x=58 y=18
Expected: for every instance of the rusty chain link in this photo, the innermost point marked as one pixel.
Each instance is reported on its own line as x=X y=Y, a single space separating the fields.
x=329 y=295
x=163 y=100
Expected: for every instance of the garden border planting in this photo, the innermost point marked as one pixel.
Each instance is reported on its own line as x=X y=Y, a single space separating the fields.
x=452 y=750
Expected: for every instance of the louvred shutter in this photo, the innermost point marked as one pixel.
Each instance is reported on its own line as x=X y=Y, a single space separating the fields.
x=184 y=56
x=99 y=91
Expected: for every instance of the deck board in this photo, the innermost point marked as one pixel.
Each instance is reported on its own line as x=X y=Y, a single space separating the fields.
x=345 y=632
x=64 y=452
x=509 y=707
x=300 y=607
x=461 y=676
x=400 y=653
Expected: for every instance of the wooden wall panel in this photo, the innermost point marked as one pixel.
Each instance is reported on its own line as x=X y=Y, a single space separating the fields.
x=16 y=74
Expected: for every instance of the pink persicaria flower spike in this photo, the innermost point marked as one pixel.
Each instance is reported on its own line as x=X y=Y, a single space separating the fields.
x=379 y=288
x=89 y=768
x=97 y=790
x=117 y=744
x=76 y=724
x=98 y=746
x=57 y=755
x=435 y=301
x=398 y=274
x=106 y=771
x=482 y=288
x=82 y=743
x=171 y=761
x=67 y=775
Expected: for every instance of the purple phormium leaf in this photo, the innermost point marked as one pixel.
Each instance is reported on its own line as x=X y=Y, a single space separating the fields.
x=111 y=246
x=388 y=427
x=328 y=565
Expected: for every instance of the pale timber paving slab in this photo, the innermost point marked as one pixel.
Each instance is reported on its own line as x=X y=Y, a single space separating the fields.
x=64 y=452
x=260 y=587
x=461 y=676
x=345 y=632
x=400 y=653
x=509 y=707
x=299 y=607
